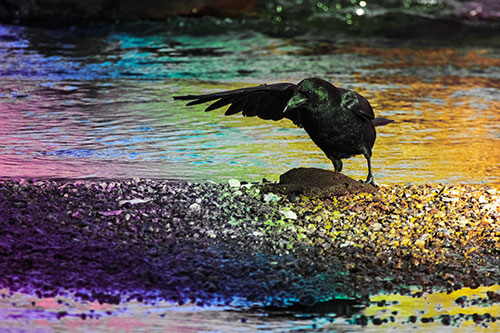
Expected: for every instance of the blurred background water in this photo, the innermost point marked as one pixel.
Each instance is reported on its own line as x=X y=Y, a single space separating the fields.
x=95 y=100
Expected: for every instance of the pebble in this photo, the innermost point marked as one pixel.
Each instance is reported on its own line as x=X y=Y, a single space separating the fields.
x=195 y=207
x=255 y=246
x=271 y=197
x=234 y=182
x=346 y=243
x=134 y=201
x=211 y=234
x=289 y=214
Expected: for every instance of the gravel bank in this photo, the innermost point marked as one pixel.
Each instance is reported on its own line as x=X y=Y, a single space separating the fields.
x=113 y=241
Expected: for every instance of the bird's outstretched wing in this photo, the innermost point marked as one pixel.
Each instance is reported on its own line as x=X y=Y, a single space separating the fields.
x=264 y=101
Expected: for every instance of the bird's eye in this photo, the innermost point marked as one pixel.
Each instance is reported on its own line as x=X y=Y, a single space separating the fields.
x=309 y=93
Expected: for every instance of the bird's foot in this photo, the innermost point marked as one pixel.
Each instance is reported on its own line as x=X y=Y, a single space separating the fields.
x=370 y=181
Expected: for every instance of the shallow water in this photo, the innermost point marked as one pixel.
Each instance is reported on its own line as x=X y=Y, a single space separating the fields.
x=21 y=312
x=98 y=103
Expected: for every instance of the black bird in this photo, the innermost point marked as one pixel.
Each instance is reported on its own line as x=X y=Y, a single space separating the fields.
x=341 y=122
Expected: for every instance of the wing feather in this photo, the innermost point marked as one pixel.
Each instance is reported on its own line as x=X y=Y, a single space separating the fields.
x=253 y=108
x=264 y=101
x=220 y=103
x=235 y=107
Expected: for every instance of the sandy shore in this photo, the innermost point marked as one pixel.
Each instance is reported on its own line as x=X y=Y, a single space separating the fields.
x=150 y=240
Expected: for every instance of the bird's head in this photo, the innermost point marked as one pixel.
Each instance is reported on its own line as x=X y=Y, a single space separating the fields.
x=312 y=93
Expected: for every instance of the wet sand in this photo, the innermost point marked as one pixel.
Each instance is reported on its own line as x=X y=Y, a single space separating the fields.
x=115 y=241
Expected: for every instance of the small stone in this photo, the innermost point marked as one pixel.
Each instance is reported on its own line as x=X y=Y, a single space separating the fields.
x=111 y=213
x=234 y=183
x=271 y=197
x=443 y=231
x=425 y=236
x=134 y=201
x=347 y=243
x=195 y=208
x=289 y=214
x=211 y=234
x=420 y=243
x=76 y=215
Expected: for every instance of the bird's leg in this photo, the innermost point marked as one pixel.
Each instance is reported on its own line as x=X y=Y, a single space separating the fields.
x=337 y=164
x=369 y=178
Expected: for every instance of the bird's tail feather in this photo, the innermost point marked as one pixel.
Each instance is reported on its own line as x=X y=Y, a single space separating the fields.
x=381 y=121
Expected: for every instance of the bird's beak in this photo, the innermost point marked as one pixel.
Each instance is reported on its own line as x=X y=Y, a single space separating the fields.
x=295 y=102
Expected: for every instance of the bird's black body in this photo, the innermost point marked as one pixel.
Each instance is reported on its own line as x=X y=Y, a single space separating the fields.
x=340 y=122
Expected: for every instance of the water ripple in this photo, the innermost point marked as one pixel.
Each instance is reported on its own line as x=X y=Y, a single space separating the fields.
x=99 y=104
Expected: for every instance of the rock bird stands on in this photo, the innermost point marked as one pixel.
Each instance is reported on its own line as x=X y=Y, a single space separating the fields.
x=339 y=121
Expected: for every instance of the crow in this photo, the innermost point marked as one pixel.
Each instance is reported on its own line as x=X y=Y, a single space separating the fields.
x=340 y=122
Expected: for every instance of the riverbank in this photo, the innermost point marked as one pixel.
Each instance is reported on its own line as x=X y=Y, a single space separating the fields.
x=230 y=244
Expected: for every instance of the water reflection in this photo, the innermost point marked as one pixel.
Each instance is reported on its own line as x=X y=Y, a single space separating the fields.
x=431 y=312
x=464 y=309
x=23 y=312
x=98 y=104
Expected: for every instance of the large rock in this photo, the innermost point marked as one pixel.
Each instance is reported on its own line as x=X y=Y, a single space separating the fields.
x=319 y=183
